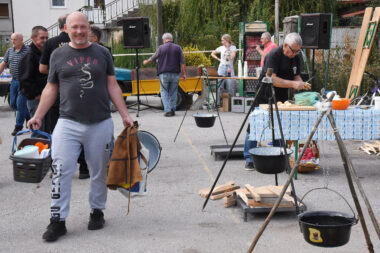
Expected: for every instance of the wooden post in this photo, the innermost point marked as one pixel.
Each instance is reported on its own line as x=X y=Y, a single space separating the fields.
x=159 y=22
x=362 y=53
x=345 y=158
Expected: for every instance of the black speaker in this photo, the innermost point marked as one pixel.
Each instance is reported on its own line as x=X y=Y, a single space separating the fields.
x=136 y=32
x=315 y=30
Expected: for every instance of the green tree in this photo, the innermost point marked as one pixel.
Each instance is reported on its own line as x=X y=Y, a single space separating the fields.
x=264 y=10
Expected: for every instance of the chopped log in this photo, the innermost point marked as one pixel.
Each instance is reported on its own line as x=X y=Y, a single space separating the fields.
x=229 y=186
x=221 y=195
x=265 y=192
x=278 y=193
x=370 y=147
x=245 y=196
x=365 y=150
x=229 y=201
x=252 y=191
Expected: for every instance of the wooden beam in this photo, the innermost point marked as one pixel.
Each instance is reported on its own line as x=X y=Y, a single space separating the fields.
x=229 y=186
x=362 y=54
x=252 y=191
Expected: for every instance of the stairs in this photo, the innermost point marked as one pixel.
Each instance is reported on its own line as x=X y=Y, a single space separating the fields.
x=106 y=17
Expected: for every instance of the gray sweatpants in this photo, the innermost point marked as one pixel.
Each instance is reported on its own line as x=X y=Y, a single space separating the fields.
x=68 y=136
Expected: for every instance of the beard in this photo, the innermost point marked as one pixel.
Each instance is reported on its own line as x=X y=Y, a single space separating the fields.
x=80 y=39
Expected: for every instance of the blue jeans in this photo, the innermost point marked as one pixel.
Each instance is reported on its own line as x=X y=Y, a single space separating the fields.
x=247 y=146
x=169 y=88
x=18 y=102
x=230 y=83
x=32 y=108
x=14 y=89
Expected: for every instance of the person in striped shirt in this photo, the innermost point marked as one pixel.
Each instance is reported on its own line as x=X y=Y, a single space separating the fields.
x=11 y=60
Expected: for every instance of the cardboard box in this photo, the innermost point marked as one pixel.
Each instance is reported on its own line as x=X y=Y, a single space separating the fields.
x=226 y=102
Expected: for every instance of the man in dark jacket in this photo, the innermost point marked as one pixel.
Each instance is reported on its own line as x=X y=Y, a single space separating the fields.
x=32 y=82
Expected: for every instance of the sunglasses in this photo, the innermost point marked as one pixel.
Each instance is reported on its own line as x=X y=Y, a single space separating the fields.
x=293 y=51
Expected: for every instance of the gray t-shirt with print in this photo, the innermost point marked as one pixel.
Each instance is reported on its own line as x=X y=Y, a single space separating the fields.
x=82 y=78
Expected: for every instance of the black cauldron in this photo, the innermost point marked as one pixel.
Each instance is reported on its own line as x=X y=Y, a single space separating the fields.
x=204 y=119
x=326 y=228
x=269 y=160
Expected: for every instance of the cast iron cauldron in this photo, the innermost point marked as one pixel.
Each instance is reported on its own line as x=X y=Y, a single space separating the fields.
x=204 y=119
x=269 y=160
x=326 y=228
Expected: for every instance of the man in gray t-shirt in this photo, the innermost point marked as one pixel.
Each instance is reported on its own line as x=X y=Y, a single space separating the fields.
x=84 y=76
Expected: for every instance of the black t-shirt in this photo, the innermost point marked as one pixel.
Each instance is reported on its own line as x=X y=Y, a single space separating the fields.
x=82 y=78
x=284 y=67
x=51 y=44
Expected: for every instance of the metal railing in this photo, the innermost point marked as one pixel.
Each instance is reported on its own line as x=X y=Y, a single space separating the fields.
x=102 y=16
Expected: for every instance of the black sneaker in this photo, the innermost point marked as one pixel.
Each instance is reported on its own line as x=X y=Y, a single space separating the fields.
x=169 y=114
x=249 y=166
x=96 y=220
x=16 y=130
x=54 y=230
x=83 y=171
x=83 y=175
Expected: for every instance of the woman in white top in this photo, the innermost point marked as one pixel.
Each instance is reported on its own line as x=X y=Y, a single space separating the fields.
x=227 y=56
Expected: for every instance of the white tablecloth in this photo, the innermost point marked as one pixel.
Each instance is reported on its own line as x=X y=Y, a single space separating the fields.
x=353 y=124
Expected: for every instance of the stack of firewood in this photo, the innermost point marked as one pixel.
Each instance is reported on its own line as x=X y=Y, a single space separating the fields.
x=220 y=191
x=371 y=148
x=264 y=196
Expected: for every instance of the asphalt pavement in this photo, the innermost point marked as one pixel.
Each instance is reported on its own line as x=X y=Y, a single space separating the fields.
x=170 y=217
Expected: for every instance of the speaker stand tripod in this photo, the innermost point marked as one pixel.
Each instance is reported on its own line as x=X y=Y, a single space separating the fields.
x=138 y=102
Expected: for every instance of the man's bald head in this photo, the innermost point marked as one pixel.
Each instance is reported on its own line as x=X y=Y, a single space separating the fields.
x=17 y=40
x=77 y=27
x=75 y=16
x=16 y=35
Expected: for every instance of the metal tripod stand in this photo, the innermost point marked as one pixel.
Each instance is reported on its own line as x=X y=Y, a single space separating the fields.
x=350 y=174
x=267 y=82
x=138 y=102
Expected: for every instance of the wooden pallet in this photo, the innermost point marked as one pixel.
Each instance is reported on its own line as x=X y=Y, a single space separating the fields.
x=264 y=196
x=292 y=107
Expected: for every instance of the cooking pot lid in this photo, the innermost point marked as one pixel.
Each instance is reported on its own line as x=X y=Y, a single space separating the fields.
x=269 y=151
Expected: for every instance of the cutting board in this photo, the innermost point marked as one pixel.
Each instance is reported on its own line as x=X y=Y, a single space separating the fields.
x=292 y=107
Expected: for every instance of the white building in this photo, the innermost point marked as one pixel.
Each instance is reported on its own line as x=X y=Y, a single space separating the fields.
x=6 y=21
x=29 y=13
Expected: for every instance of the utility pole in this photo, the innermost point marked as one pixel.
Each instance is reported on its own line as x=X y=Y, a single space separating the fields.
x=276 y=21
x=159 y=23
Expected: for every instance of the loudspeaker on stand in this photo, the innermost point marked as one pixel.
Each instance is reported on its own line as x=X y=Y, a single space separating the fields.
x=136 y=32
